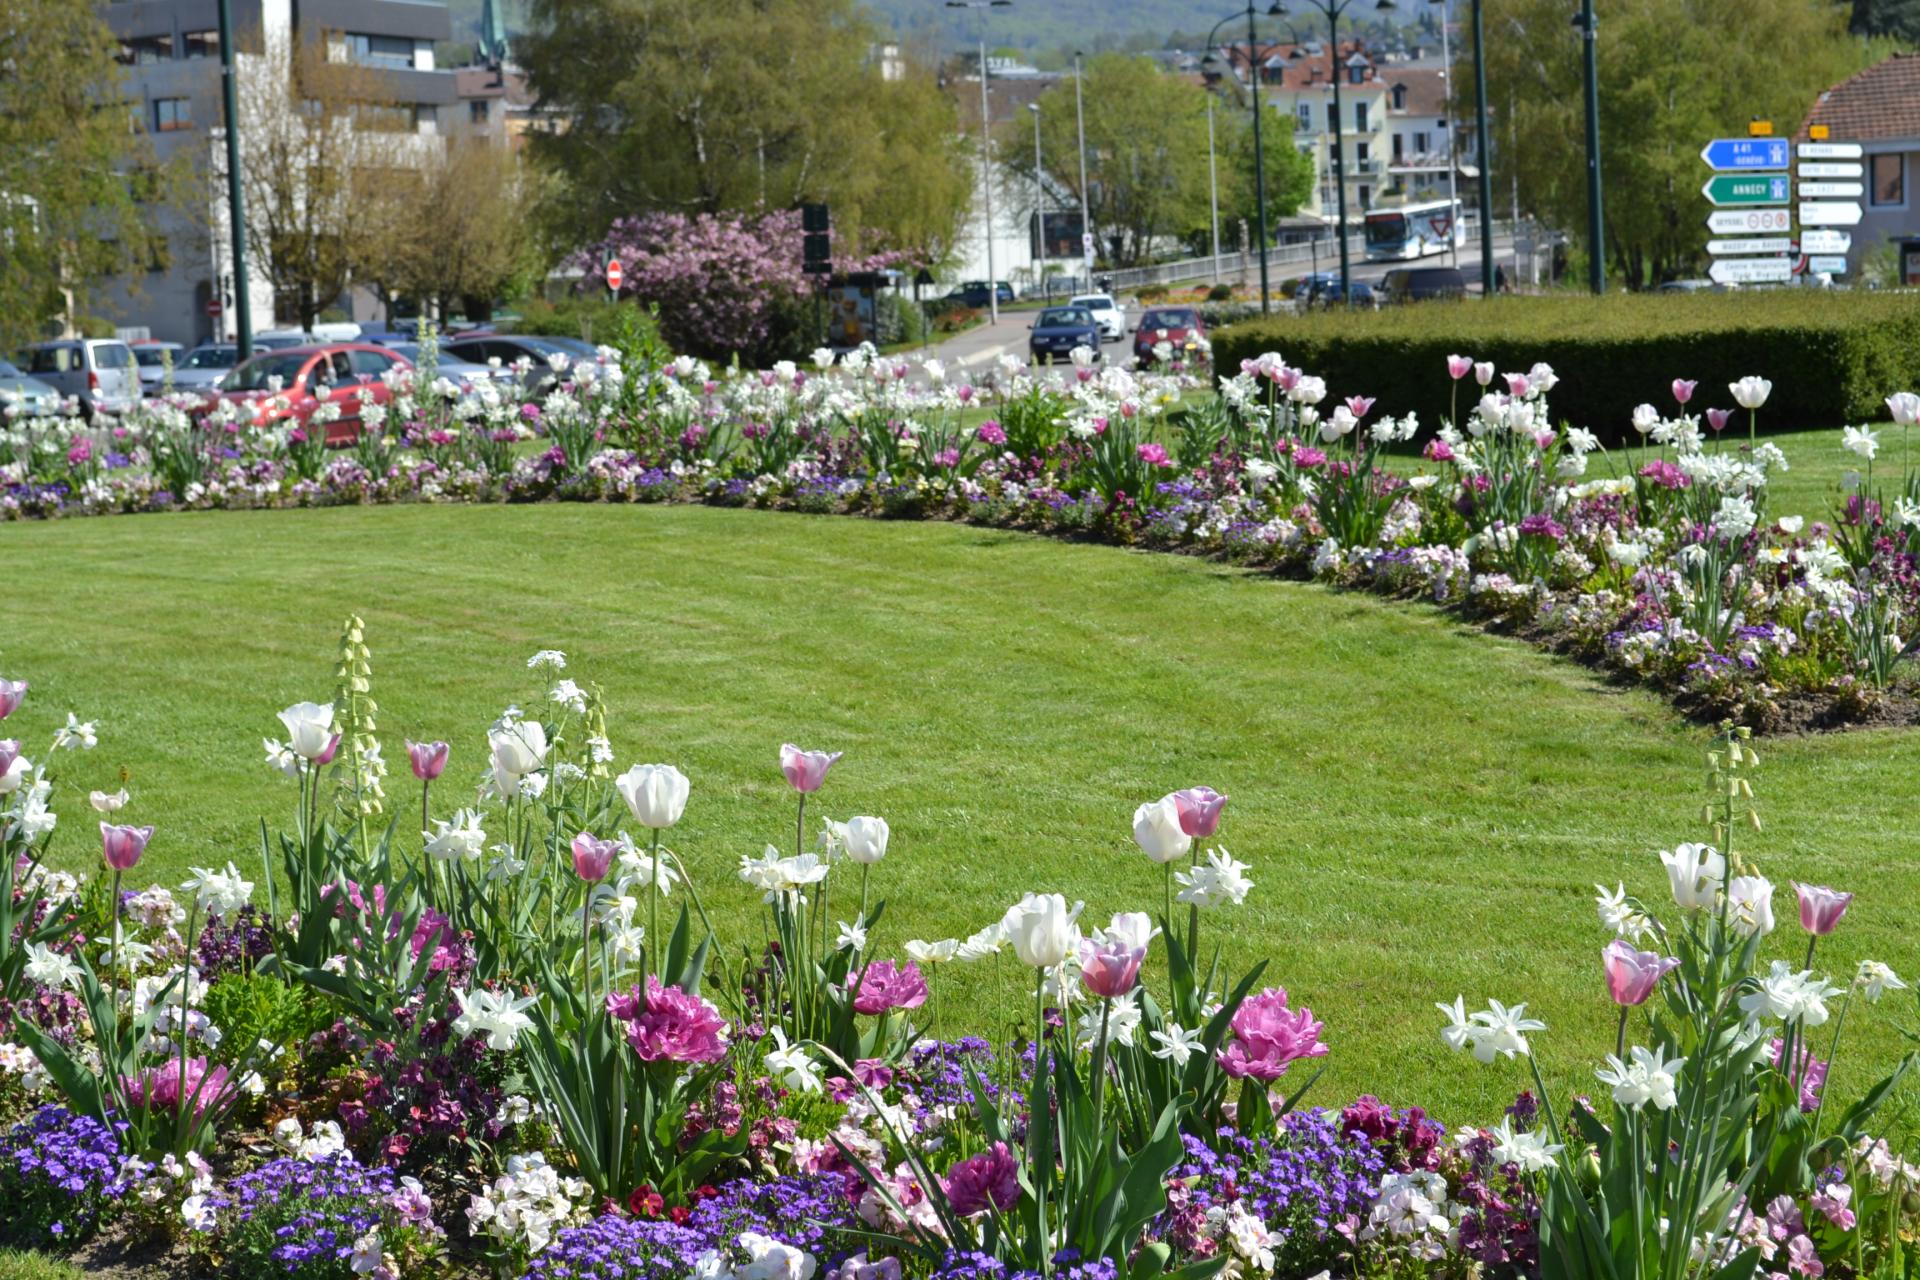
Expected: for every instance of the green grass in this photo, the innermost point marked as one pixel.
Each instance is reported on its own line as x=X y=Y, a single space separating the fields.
x=1425 y=807
x=18 y=1265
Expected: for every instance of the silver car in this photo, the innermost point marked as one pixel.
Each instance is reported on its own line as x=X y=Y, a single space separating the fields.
x=205 y=365
x=24 y=397
x=153 y=359
x=98 y=372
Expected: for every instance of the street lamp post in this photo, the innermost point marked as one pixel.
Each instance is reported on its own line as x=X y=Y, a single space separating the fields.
x=1039 y=208
x=242 y=302
x=1259 y=151
x=1596 y=228
x=1213 y=193
x=1086 y=219
x=986 y=151
x=1453 y=154
x=1481 y=149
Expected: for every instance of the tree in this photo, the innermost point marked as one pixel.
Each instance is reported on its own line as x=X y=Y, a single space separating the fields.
x=1673 y=74
x=69 y=159
x=321 y=149
x=733 y=106
x=1146 y=152
x=1290 y=172
x=1897 y=18
x=457 y=229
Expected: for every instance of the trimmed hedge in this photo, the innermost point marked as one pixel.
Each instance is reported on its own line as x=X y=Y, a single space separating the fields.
x=1833 y=358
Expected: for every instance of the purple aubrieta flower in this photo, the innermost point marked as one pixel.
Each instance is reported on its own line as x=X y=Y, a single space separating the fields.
x=59 y=1176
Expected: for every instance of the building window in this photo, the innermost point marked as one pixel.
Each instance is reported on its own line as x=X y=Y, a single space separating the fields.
x=477 y=111
x=1361 y=154
x=1360 y=116
x=1366 y=197
x=1420 y=146
x=1889 y=174
x=1356 y=75
x=200 y=44
x=1399 y=97
x=145 y=50
x=1333 y=119
x=380 y=51
x=1397 y=150
x=172 y=114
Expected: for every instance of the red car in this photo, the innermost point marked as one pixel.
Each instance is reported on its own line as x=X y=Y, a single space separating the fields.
x=1175 y=325
x=309 y=376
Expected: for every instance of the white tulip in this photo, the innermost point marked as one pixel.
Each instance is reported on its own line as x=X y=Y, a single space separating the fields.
x=866 y=839
x=1042 y=931
x=1156 y=829
x=1750 y=392
x=1695 y=872
x=309 y=728
x=518 y=748
x=656 y=794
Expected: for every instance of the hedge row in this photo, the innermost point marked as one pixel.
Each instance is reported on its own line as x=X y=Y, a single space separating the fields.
x=1833 y=358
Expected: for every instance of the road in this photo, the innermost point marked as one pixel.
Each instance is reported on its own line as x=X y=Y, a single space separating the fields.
x=977 y=349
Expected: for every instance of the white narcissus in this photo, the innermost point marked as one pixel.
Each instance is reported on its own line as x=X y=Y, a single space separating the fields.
x=1041 y=929
x=656 y=794
x=309 y=728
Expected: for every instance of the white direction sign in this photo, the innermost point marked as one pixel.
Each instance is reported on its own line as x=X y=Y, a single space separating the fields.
x=1812 y=241
x=1832 y=190
x=1830 y=214
x=1828 y=265
x=1751 y=270
x=1819 y=169
x=1828 y=151
x=1751 y=244
x=1733 y=222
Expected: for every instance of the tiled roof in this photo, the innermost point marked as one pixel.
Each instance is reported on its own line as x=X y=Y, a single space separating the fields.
x=1881 y=102
x=1426 y=90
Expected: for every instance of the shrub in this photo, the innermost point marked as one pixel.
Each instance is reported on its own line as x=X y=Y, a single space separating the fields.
x=592 y=319
x=1220 y=293
x=1831 y=357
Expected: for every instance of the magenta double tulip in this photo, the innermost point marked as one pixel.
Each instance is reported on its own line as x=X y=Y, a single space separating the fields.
x=805 y=770
x=1632 y=974
x=122 y=846
x=428 y=758
x=12 y=693
x=882 y=987
x=1268 y=1037
x=592 y=856
x=988 y=1180
x=670 y=1025
x=1199 y=810
x=1821 y=908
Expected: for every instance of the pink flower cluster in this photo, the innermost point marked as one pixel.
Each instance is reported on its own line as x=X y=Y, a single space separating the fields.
x=159 y=1088
x=1268 y=1037
x=670 y=1025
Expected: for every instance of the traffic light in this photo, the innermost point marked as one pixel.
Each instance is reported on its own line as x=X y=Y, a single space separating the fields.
x=816 y=243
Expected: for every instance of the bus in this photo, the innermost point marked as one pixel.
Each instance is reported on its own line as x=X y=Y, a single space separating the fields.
x=1414 y=230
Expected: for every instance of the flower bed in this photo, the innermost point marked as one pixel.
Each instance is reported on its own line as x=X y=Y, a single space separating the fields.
x=514 y=1045
x=1662 y=562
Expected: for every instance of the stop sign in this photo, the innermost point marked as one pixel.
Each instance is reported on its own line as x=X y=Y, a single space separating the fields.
x=613 y=275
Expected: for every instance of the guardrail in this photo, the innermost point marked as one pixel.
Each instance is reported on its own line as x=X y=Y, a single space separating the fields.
x=1282 y=260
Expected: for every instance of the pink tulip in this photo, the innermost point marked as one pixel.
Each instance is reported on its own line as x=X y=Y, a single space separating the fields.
x=1683 y=390
x=1288 y=378
x=1110 y=969
x=1459 y=367
x=1199 y=810
x=592 y=856
x=326 y=757
x=988 y=1180
x=428 y=758
x=1632 y=974
x=1358 y=405
x=1517 y=385
x=806 y=770
x=1268 y=1037
x=1821 y=908
x=1717 y=418
x=123 y=846
x=9 y=752
x=883 y=986
x=11 y=694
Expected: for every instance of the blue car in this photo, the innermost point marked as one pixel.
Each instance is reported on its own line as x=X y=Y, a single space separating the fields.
x=1059 y=330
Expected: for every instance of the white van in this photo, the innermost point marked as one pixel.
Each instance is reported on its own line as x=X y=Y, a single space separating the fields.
x=98 y=372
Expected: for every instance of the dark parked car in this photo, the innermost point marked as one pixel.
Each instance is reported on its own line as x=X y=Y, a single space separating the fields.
x=1059 y=330
x=509 y=349
x=1418 y=284
x=974 y=293
x=1179 y=326
x=1328 y=295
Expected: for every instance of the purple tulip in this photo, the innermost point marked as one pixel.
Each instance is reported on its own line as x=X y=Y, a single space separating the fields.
x=882 y=986
x=1632 y=974
x=1359 y=406
x=1199 y=810
x=1821 y=908
x=1110 y=968
x=988 y=1180
x=806 y=770
x=428 y=758
x=1717 y=419
x=12 y=692
x=1683 y=390
x=122 y=846
x=592 y=856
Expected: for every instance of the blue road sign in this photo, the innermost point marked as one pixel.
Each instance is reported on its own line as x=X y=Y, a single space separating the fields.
x=1745 y=154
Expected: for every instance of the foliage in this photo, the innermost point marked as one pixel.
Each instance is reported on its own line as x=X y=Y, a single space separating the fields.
x=695 y=108
x=70 y=214
x=15 y=1265
x=581 y=315
x=1832 y=358
x=1769 y=58
x=253 y=1007
x=1290 y=171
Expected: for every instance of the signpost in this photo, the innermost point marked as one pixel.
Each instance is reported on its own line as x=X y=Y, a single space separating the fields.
x=1830 y=214
x=1751 y=270
x=1745 y=154
x=1815 y=241
x=1733 y=222
x=1750 y=244
x=214 y=308
x=1738 y=189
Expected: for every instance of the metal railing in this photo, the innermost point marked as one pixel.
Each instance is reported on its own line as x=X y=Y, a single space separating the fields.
x=1282 y=260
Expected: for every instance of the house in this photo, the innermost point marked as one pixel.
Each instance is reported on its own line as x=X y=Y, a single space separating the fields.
x=1879 y=108
x=1420 y=148
x=1298 y=80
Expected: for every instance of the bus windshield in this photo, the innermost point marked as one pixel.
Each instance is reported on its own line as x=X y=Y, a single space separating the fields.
x=1386 y=228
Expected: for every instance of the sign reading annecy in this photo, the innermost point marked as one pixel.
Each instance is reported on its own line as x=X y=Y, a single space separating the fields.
x=1738 y=189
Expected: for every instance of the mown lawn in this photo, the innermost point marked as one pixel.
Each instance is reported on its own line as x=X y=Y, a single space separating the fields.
x=1425 y=807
